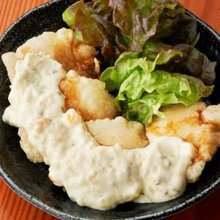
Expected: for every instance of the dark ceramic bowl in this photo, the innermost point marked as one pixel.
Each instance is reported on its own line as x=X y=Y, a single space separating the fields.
x=30 y=180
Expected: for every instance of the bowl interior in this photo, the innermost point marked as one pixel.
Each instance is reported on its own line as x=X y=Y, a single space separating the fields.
x=31 y=180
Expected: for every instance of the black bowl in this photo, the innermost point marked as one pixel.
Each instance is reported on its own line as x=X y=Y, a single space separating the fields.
x=31 y=180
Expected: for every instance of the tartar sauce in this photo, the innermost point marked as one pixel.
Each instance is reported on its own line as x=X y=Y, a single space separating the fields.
x=96 y=176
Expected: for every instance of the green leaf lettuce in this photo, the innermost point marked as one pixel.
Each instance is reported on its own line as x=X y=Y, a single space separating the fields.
x=143 y=88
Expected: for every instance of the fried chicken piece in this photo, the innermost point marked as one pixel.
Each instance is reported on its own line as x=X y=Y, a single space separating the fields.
x=31 y=152
x=61 y=46
x=9 y=59
x=212 y=115
x=129 y=134
x=88 y=97
x=195 y=124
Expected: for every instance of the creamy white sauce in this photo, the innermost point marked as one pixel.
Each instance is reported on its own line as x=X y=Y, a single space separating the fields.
x=95 y=176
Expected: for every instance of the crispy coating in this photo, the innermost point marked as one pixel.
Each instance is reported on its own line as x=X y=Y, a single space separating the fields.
x=9 y=59
x=129 y=134
x=31 y=152
x=212 y=115
x=193 y=125
x=88 y=97
x=62 y=46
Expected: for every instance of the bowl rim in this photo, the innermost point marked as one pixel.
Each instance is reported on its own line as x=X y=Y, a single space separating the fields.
x=61 y=214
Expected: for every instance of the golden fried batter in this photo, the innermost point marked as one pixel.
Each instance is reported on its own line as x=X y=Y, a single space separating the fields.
x=88 y=97
x=31 y=152
x=192 y=124
x=129 y=134
x=62 y=46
